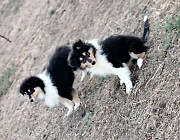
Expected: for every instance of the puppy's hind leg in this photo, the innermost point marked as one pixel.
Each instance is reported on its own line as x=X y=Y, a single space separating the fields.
x=67 y=103
x=76 y=100
x=139 y=58
x=124 y=74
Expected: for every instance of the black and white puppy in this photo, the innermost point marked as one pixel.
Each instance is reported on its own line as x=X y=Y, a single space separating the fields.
x=55 y=85
x=110 y=56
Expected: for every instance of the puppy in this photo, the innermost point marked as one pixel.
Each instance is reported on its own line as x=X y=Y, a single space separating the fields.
x=55 y=84
x=110 y=56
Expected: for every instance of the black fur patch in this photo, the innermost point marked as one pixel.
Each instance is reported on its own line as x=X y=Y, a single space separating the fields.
x=118 y=48
x=78 y=48
x=30 y=83
x=61 y=74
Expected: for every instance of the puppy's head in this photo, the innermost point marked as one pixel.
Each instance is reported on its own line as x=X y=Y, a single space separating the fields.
x=33 y=87
x=82 y=55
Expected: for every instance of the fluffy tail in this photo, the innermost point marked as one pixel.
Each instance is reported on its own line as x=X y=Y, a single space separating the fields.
x=146 y=29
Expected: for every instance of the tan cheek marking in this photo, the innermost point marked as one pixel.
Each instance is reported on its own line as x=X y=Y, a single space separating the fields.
x=83 y=65
x=88 y=64
x=33 y=95
x=81 y=58
x=84 y=53
x=37 y=91
x=92 y=55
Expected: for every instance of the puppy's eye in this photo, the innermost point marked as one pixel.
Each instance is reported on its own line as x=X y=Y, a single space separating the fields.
x=88 y=54
x=32 y=90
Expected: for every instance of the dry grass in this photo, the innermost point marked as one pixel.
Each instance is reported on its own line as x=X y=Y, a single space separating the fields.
x=6 y=79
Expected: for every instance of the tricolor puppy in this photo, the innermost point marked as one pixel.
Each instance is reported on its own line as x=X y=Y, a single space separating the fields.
x=110 y=56
x=55 y=85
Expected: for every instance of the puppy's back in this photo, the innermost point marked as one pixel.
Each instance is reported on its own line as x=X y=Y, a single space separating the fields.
x=61 y=73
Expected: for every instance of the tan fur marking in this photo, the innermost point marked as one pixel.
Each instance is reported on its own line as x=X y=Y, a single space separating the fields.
x=37 y=91
x=91 y=55
x=142 y=55
x=133 y=55
x=66 y=102
x=136 y=56
x=84 y=53
x=81 y=58
x=76 y=98
x=87 y=64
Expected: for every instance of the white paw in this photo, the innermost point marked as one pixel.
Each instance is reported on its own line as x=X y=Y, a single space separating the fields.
x=68 y=113
x=121 y=82
x=139 y=62
x=91 y=75
x=128 y=90
x=76 y=105
x=82 y=78
x=83 y=75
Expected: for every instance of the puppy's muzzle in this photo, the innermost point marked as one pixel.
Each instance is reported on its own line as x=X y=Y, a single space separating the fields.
x=31 y=100
x=91 y=61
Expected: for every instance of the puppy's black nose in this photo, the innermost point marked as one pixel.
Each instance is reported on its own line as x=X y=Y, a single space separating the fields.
x=31 y=100
x=93 y=63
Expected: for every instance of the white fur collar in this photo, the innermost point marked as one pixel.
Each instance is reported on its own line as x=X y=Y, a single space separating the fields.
x=51 y=97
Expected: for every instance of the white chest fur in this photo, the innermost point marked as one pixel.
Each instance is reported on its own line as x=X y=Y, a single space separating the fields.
x=102 y=66
x=52 y=97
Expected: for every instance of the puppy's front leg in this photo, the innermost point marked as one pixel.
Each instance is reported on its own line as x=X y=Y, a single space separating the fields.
x=76 y=100
x=139 y=62
x=121 y=82
x=84 y=73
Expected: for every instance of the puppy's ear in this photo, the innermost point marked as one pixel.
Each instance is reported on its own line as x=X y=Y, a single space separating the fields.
x=21 y=91
x=72 y=59
x=78 y=45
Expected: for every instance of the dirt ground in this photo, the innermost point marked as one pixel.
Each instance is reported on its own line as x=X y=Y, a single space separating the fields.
x=36 y=27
